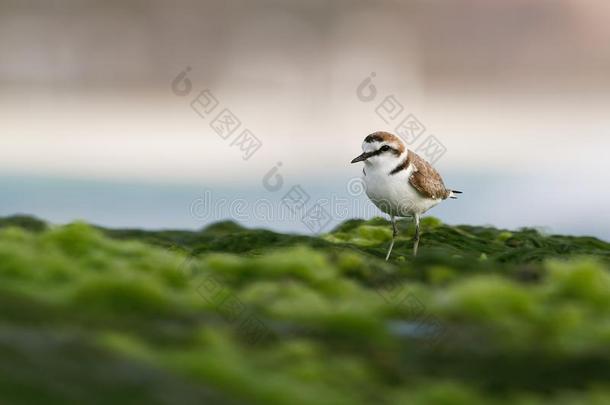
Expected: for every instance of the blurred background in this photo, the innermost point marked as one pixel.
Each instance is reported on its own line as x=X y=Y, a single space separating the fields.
x=91 y=127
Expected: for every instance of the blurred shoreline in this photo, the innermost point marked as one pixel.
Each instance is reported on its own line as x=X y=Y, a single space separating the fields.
x=147 y=205
x=516 y=92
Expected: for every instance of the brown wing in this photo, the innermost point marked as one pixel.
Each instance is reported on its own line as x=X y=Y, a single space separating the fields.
x=426 y=179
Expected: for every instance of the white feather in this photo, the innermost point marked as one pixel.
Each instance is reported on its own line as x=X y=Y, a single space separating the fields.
x=392 y=193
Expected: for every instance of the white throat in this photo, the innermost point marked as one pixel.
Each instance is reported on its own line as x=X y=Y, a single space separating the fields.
x=385 y=162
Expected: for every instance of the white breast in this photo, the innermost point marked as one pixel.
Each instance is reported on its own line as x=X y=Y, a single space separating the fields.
x=393 y=194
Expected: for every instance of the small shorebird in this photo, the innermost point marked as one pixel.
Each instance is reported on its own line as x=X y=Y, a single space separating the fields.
x=399 y=182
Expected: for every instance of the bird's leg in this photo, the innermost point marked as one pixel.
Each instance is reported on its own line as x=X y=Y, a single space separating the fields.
x=394 y=233
x=416 y=238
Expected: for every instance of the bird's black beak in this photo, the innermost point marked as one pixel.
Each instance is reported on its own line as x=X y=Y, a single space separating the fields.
x=364 y=156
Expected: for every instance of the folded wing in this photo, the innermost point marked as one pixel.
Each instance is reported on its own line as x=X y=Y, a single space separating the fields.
x=426 y=179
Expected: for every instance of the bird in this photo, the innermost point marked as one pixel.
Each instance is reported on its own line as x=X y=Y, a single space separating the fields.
x=400 y=182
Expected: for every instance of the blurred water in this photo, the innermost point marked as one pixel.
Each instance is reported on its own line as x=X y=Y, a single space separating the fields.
x=487 y=199
x=520 y=103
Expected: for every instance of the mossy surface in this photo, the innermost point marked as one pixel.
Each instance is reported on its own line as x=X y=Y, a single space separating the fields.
x=234 y=315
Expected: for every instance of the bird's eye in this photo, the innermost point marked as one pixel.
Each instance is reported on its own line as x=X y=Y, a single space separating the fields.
x=385 y=148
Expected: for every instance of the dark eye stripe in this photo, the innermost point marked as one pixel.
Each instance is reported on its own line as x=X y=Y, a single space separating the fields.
x=389 y=149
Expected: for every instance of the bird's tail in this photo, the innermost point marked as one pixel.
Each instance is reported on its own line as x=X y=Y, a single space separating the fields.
x=453 y=192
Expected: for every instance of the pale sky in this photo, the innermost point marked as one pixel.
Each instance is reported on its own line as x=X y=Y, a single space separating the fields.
x=519 y=103
x=153 y=137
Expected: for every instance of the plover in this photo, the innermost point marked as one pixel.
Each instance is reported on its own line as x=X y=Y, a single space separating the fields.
x=399 y=182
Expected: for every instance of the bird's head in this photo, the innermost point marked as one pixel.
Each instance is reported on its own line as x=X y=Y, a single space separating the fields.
x=381 y=149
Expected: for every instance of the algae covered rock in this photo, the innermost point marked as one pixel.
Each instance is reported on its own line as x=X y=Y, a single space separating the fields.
x=236 y=315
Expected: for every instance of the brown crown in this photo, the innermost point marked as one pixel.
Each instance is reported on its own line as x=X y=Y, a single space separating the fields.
x=381 y=136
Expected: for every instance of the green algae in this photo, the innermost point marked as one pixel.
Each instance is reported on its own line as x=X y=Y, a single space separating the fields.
x=235 y=315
